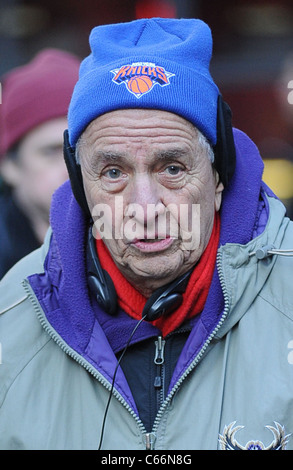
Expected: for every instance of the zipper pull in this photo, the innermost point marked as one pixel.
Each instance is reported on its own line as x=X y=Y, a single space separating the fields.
x=150 y=439
x=159 y=354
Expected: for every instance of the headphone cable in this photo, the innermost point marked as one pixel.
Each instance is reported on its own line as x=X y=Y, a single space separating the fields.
x=114 y=377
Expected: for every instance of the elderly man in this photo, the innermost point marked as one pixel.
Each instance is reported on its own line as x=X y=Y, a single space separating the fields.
x=158 y=313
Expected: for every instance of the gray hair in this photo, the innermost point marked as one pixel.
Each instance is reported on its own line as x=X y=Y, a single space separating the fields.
x=80 y=142
x=206 y=146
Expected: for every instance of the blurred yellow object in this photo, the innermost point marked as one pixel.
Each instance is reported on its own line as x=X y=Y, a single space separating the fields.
x=278 y=175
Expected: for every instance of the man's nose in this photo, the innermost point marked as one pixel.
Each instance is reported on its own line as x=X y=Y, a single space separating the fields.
x=145 y=200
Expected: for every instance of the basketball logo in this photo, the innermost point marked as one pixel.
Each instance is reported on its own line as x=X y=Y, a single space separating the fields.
x=140 y=84
x=141 y=77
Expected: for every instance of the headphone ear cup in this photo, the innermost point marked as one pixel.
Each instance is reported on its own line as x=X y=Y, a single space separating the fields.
x=224 y=150
x=99 y=281
x=158 y=305
x=103 y=289
x=74 y=173
x=166 y=299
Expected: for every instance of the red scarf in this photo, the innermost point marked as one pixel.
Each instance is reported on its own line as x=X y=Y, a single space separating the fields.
x=132 y=301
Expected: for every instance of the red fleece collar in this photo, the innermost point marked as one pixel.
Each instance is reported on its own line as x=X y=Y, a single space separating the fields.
x=132 y=302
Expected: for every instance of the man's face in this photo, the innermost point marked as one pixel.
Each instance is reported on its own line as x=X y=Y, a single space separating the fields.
x=147 y=170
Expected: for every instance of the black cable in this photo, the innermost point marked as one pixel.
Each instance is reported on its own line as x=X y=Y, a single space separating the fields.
x=113 y=380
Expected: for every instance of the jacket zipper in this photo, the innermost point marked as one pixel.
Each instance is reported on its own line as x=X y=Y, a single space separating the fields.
x=159 y=360
x=200 y=353
x=159 y=383
x=148 y=437
x=149 y=440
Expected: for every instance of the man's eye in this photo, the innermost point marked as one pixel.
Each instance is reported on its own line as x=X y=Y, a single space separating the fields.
x=114 y=173
x=173 y=170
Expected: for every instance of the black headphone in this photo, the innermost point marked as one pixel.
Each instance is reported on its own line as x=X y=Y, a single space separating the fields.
x=162 y=302
x=166 y=299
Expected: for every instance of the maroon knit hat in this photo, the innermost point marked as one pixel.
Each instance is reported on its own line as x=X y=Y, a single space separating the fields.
x=35 y=93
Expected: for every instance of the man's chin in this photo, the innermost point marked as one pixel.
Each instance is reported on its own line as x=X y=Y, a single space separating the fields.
x=155 y=271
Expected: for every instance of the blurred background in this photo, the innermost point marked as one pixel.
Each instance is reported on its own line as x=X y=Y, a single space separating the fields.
x=252 y=63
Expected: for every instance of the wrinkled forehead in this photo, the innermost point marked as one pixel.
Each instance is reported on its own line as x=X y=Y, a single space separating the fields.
x=150 y=134
x=138 y=123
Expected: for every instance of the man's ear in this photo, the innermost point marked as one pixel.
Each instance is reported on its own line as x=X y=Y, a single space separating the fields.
x=10 y=171
x=219 y=190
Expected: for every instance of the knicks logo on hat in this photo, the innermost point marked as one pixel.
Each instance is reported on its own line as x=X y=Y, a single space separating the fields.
x=140 y=77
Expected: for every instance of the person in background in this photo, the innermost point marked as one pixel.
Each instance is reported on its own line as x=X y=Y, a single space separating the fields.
x=33 y=117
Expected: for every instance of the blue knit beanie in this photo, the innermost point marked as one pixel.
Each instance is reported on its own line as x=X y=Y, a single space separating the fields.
x=156 y=63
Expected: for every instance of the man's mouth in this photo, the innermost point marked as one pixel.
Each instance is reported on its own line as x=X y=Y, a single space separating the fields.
x=152 y=244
